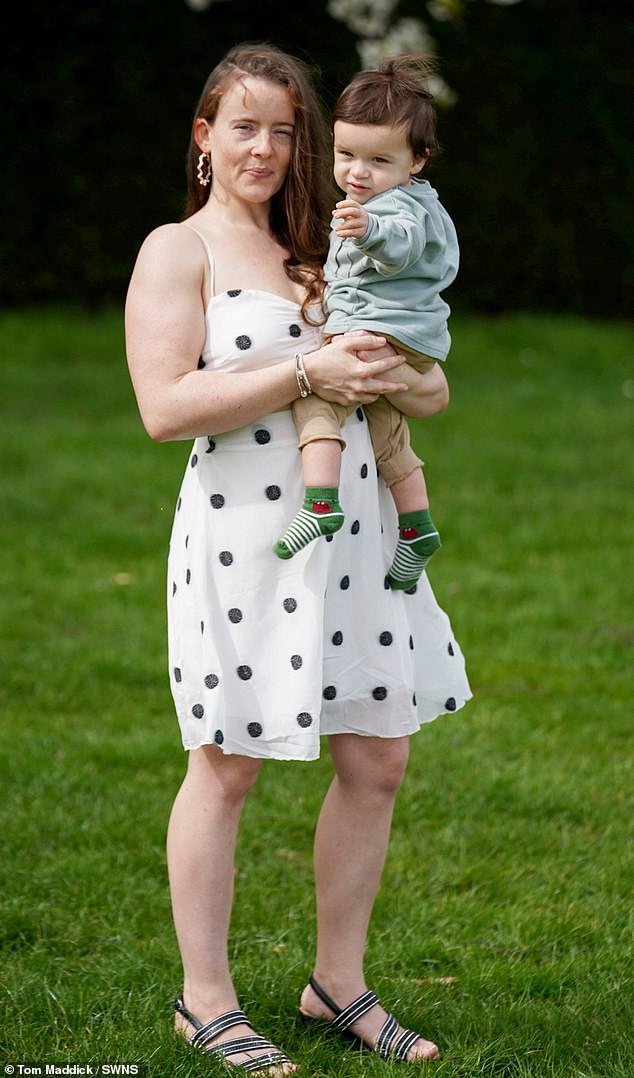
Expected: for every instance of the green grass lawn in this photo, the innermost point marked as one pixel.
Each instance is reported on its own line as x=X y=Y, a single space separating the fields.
x=504 y=927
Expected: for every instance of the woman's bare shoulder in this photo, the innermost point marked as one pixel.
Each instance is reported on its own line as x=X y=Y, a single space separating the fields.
x=171 y=252
x=171 y=239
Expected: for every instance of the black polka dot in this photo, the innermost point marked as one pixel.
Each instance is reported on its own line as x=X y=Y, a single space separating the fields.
x=202 y=627
x=295 y=330
x=186 y=541
x=262 y=436
x=212 y=445
x=296 y=661
x=386 y=583
x=451 y=704
x=243 y=342
x=201 y=364
x=233 y=292
x=180 y=502
x=194 y=460
x=198 y=711
x=360 y=415
x=273 y=493
x=226 y=557
x=354 y=527
x=385 y=639
x=330 y=692
x=178 y=677
x=219 y=737
x=211 y=681
x=337 y=638
x=450 y=649
x=254 y=729
x=329 y=538
x=217 y=501
x=364 y=471
x=344 y=583
x=234 y=615
x=412 y=590
x=380 y=692
x=414 y=699
x=174 y=588
x=244 y=673
x=188 y=576
x=411 y=643
x=304 y=719
x=290 y=605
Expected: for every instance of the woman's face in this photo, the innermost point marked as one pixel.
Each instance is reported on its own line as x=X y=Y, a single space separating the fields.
x=250 y=140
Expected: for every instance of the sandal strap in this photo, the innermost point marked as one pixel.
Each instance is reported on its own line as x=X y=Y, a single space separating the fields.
x=217 y=1026
x=392 y=1043
x=239 y=1044
x=345 y=1016
x=355 y=1010
x=407 y=1039
x=264 y=1061
x=389 y=1041
x=207 y=1032
x=385 y=1036
x=249 y=1044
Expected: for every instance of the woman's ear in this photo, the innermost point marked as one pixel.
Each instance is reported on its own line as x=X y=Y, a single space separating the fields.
x=202 y=134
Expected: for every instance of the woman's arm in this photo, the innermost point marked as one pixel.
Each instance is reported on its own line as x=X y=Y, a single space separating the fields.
x=165 y=331
x=427 y=392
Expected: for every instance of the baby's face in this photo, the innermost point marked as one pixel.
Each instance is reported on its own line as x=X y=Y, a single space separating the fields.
x=372 y=158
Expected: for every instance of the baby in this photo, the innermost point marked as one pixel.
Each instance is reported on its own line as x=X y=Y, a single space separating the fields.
x=393 y=250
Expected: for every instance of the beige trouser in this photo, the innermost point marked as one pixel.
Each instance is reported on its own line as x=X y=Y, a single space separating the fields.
x=316 y=419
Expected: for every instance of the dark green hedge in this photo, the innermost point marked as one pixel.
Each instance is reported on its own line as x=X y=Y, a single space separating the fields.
x=536 y=169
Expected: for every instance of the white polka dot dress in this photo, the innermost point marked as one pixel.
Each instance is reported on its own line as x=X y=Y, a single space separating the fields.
x=265 y=655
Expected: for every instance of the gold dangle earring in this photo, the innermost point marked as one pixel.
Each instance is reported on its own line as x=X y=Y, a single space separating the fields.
x=204 y=177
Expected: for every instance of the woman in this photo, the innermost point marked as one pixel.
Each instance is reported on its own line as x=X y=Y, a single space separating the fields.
x=265 y=655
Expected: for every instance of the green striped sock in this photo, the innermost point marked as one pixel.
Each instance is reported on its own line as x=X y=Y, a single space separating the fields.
x=418 y=539
x=320 y=515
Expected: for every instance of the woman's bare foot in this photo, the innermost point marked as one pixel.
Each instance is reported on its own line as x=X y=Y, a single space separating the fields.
x=368 y=1026
x=271 y=1070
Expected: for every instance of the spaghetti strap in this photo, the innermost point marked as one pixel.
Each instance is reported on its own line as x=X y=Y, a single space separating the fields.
x=210 y=257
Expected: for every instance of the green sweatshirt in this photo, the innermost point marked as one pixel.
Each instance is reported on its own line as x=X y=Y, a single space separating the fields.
x=390 y=280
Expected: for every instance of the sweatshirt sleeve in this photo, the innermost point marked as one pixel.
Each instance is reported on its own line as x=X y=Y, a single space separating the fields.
x=395 y=238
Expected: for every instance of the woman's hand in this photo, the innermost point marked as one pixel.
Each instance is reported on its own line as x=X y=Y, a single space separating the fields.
x=425 y=393
x=337 y=373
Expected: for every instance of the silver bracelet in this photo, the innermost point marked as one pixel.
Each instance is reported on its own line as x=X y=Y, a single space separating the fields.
x=302 y=378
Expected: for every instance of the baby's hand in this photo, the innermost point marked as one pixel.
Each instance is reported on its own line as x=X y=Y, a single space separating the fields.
x=350 y=219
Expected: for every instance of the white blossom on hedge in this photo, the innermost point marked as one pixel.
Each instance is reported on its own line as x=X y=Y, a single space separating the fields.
x=406 y=35
x=199 y=5
x=445 y=10
x=368 y=18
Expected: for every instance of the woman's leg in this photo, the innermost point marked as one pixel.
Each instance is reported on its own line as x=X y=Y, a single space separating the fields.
x=201 y=843
x=350 y=847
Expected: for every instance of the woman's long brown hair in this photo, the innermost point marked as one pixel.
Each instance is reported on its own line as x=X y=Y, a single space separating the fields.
x=300 y=211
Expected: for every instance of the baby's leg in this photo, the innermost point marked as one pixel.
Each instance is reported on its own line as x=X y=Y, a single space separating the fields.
x=321 y=513
x=321 y=462
x=418 y=538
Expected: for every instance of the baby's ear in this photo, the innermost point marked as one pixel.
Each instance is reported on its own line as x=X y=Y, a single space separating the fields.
x=418 y=164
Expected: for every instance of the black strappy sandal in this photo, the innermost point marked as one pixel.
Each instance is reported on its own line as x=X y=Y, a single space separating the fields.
x=389 y=1042
x=206 y=1032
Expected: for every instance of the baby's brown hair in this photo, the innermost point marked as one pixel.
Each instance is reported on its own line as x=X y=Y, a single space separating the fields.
x=396 y=92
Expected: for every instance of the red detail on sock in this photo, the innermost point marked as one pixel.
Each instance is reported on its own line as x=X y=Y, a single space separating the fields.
x=409 y=533
x=321 y=507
